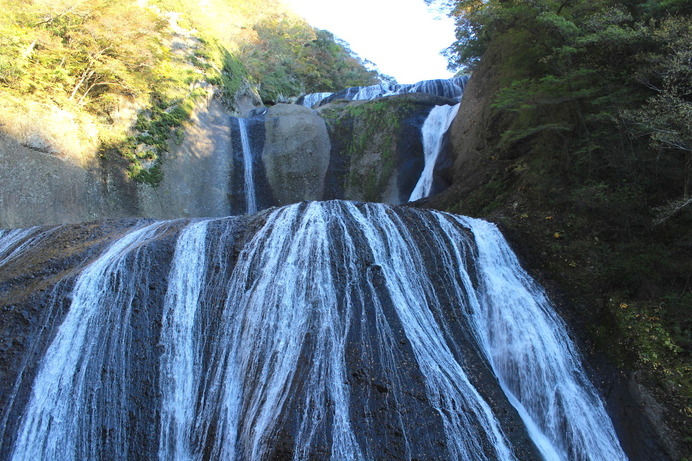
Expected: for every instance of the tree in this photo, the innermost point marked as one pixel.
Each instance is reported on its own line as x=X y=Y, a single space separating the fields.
x=290 y=58
x=666 y=116
x=576 y=67
x=82 y=48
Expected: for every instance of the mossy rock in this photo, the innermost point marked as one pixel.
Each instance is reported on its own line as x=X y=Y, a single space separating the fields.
x=377 y=152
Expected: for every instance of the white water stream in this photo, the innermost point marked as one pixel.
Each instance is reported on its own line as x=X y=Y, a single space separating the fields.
x=452 y=88
x=268 y=346
x=14 y=242
x=80 y=386
x=250 y=193
x=436 y=125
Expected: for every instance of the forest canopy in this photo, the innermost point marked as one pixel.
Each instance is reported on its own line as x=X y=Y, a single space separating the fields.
x=603 y=70
x=593 y=123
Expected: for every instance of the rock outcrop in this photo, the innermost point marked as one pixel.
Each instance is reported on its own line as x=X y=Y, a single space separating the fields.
x=39 y=188
x=377 y=152
x=353 y=150
x=195 y=173
x=296 y=153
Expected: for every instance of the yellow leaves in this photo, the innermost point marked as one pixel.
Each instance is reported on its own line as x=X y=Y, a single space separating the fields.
x=645 y=332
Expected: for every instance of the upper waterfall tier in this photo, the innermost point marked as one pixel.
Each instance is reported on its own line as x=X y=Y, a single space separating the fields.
x=446 y=88
x=352 y=150
x=321 y=330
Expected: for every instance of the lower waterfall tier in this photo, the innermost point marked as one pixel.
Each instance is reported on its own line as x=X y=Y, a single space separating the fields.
x=320 y=330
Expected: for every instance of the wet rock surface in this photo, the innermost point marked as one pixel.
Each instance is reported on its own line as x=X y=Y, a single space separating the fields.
x=389 y=409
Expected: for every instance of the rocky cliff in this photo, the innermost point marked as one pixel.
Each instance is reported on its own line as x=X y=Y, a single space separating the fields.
x=354 y=150
x=621 y=278
x=40 y=188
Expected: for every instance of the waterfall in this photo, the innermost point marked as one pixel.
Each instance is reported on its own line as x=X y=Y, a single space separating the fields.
x=320 y=330
x=180 y=361
x=530 y=352
x=436 y=125
x=309 y=100
x=368 y=93
x=250 y=194
x=461 y=408
x=452 y=88
x=13 y=242
x=80 y=389
x=446 y=88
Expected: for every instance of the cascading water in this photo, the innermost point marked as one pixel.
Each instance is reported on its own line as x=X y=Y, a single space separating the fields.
x=309 y=100
x=14 y=242
x=433 y=131
x=248 y=175
x=80 y=390
x=528 y=348
x=180 y=361
x=322 y=330
x=447 y=88
x=452 y=88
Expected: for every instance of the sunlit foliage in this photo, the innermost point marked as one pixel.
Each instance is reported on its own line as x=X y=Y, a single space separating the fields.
x=121 y=77
x=289 y=58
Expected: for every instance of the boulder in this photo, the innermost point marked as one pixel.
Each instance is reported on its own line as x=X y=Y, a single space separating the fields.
x=296 y=153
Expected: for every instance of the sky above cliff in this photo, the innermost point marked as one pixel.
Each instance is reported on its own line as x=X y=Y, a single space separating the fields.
x=403 y=38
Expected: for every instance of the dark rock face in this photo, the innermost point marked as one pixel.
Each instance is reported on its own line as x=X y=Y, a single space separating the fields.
x=320 y=330
x=443 y=174
x=36 y=277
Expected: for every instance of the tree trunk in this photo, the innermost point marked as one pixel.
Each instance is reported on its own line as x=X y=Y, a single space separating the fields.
x=88 y=73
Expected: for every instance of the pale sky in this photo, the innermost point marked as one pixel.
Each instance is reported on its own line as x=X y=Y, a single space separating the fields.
x=402 y=37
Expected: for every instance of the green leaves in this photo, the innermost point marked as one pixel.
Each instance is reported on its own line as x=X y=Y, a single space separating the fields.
x=131 y=70
x=576 y=63
x=289 y=58
x=560 y=25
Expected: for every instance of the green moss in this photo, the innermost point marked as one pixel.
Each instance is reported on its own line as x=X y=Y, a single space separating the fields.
x=172 y=105
x=376 y=125
x=369 y=128
x=226 y=70
x=645 y=341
